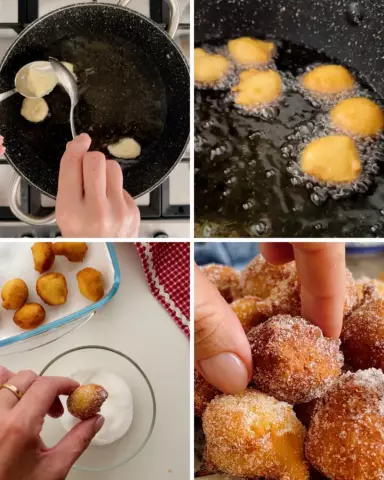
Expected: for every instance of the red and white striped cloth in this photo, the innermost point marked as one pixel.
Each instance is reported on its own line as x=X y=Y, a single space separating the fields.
x=167 y=268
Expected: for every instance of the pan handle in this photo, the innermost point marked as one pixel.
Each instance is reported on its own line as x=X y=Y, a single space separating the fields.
x=15 y=208
x=174 y=15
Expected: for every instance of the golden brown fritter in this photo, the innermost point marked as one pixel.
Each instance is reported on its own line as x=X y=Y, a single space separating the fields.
x=254 y=435
x=86 y=401
x=226 y=280
x=251 y=311
x=29 y=316
x=14 y=294
x=74 y=251
x=43 y=256
x=292 y=360
x=345 y=438
x=52 y=288
x=91 y=284
x=203 y=394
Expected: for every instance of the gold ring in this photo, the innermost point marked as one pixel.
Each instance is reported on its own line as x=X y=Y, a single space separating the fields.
x=12 y=389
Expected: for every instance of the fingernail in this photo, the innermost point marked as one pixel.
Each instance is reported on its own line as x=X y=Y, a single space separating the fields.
x=99 y=423
x=226 y=372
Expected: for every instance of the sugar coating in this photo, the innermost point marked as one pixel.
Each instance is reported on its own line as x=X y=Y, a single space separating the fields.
x=363 y=331
x=254 y=435
x=292 y=360
x=346 y=437
x=226 y=280
x=203 y=393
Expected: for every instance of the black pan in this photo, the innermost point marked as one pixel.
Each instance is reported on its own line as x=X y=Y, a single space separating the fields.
x=134 y=82
x=349 y=33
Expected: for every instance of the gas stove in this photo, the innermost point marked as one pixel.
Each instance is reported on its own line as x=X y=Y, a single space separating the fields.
x=165 y=212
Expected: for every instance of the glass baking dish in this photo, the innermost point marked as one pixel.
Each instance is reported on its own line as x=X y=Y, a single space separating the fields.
x=50 y=332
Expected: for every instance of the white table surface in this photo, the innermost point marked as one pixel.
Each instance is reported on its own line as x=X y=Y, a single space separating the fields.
x=136 y=324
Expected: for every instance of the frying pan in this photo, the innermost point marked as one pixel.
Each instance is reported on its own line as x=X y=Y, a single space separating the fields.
x=350 y=33
x=134 y=82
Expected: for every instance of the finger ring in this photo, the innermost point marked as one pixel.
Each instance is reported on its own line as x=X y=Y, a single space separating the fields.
x=12 y=389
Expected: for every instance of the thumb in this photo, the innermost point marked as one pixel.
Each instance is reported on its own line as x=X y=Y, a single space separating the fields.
x=222 y=351
x=74 y=444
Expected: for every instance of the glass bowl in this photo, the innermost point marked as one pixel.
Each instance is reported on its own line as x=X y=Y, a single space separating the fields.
x=97 y=358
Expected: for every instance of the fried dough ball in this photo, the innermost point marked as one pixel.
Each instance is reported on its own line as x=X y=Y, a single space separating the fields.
x=203 y=394
x=250 y=51
x=29 y=316
x=43 y=256
x=251 y=311
x=14 y=294
x=258 y=88
x=260 y=277
x=292 y=360
x=363 y=332
x=358 y=116
x=328 y=79
x=345 y=439
x=52 y=288
x=334 y=158
x=34 y=110
x=91 y=284
x=253 y=435
x=74 y=251
x=226 y=280
x=210 y=68
x=362 y=282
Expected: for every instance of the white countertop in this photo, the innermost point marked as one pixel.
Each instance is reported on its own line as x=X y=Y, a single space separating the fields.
x=136 y=324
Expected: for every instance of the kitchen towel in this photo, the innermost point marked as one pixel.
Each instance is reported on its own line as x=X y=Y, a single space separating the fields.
x=167 y=268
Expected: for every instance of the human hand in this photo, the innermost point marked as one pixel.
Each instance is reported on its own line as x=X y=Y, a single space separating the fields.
x=2 y=148
x=222 y=351
x=22 y=452
x=91 y=201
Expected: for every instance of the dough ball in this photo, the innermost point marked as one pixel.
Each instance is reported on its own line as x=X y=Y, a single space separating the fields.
x=258 y=88
x=34 y=110
x=29 y=316
x=328 y=79
x=125 y=148
x=210 y=68
x=226 y=280
x=250 y=51
x=203 y=393
x=292 y=360
x=363 y=331
x=254 y=435
x=52 y=288
x=334 y=158
x=251 y=311
x=43 y=256
x=41 y=79
x=345 y=439
x=358 y=116
x=259 y=277
x=91 y=284
x=14 y=294
x=86 y=401
x=73 y=251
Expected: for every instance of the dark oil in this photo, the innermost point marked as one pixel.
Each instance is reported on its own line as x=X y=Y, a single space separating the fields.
x=122 y=93
x=243 y=186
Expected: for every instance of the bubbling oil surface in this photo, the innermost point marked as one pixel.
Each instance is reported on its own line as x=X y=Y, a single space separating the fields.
x=248 y=180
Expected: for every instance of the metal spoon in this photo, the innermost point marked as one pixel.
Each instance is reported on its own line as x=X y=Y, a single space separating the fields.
x=21 y=84
x=66 y=79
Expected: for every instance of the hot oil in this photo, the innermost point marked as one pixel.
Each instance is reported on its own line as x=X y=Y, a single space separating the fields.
x=122 y=93
x=246 y=184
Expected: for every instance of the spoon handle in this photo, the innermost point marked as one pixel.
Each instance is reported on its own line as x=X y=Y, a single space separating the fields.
x=5 y=95
x=72 y=122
